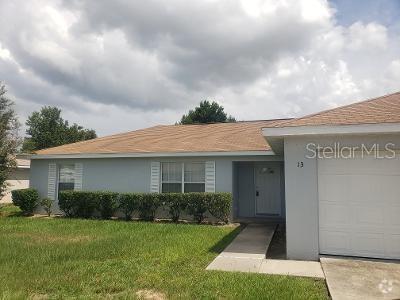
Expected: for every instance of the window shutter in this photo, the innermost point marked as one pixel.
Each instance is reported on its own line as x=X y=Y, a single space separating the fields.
x=155 y=177
x=210 y=176
x=52 y=182
x=78 y=177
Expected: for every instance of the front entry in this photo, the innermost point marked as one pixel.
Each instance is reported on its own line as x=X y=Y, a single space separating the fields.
x=267 y=179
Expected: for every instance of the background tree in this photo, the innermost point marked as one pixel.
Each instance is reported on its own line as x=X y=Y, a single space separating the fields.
x=9 y=140
x=48 y=129
x=206 y=112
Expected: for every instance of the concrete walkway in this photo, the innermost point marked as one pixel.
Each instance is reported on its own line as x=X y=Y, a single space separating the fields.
x=351 y=278
x=247 y=253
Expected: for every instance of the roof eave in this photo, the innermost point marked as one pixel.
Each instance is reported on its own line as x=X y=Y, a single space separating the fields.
x=275 y=135
x=153 y=154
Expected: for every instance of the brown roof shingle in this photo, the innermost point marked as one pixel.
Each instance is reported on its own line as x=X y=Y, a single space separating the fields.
x=385 y=109
x=218 y=137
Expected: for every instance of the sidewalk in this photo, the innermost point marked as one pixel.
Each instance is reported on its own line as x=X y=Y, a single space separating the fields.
x=247 y=253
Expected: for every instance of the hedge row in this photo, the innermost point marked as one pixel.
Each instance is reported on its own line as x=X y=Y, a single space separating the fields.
x=87 y=204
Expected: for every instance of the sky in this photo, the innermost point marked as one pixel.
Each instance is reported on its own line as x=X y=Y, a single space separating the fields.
x=122 y=65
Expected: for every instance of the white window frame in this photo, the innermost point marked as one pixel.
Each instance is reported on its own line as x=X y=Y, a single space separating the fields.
x=182 y=182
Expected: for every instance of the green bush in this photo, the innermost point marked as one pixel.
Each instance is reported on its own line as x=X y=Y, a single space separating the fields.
x=84 y=204
x=176 y=204
x=47 y=203
x=219 y=205
x=128 y=203
x=78 y=204
x=198 y=205
x=107 y=203
x=148 y=205
x=66 y=203
x=26 y=199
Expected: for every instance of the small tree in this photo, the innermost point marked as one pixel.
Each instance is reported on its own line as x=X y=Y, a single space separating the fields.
x=207 y=112
x=47 y=203
x=9 y=140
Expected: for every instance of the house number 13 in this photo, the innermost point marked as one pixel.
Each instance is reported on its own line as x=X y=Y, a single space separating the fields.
x=300 y=164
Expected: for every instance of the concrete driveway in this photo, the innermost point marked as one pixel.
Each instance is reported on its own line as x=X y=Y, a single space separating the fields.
x=350 y=278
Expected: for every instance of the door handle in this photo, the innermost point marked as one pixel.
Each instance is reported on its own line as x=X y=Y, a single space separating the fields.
x=257 y=193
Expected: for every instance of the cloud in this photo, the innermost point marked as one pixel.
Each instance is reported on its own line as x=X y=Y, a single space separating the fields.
x=121 y=65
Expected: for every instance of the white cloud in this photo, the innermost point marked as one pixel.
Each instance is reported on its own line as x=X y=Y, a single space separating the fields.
x=122 y=65
x=367 y=37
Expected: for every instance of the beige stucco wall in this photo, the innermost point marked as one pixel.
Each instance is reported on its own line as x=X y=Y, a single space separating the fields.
x=19 y=179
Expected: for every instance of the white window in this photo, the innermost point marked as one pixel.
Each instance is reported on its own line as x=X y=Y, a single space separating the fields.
x=171 y=179
x=66 y=178
x=195 y=177
x=183 y=177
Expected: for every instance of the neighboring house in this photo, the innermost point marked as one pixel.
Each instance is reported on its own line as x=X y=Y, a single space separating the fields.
x=331 y=203
x=18 y=178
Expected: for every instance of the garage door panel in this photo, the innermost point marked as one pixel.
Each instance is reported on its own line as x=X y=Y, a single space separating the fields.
x=390 y=186
x=359 y=207
x=393 y=216
x=334 y=188
x=335 y=241
x=369 y=216
x=359 y=191
x=368 y=244
x=392 y=245
x=334 y=215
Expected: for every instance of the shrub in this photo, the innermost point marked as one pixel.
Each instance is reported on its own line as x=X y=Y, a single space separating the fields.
x=148 y=205
x=26 y=199
x=128 y=203
x=66 y=203
x=176 y=203
x=219 y=205
x=47 y=203
x=107 y=203
x=198 y=205
x=78 y=203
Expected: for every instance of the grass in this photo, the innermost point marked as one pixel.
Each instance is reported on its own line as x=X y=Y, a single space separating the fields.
x=91 y=259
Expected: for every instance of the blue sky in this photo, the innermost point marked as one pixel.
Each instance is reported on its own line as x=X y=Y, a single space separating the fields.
x=386 y=12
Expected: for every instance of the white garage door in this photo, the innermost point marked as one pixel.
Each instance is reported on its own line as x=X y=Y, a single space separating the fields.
x=359 y=206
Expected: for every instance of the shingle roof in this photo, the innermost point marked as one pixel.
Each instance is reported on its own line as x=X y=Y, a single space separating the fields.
x=218 y=137
x=385 y=109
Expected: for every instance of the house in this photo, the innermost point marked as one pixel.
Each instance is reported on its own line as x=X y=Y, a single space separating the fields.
x=333 y=177
x=18 y=178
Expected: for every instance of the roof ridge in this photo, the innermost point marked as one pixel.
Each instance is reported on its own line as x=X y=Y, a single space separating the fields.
x=339 y=107
x=218 y=123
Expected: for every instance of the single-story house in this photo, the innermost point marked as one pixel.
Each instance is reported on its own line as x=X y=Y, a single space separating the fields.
x=18 y=177
x=333 y=177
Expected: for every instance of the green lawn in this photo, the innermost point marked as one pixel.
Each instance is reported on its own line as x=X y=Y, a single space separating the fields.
x=68 y=258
